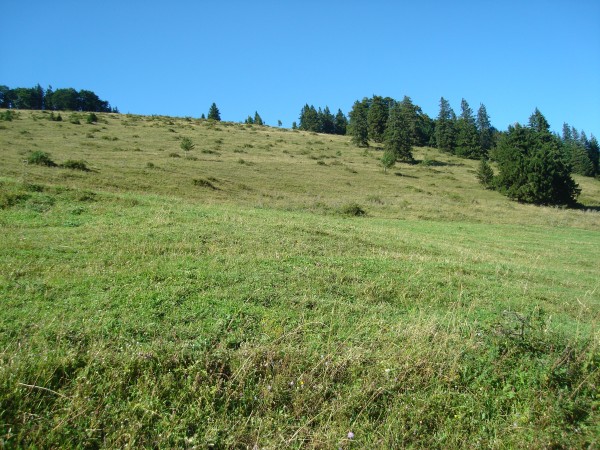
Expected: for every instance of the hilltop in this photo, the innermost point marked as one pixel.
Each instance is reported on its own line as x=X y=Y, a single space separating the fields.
x=273 y=288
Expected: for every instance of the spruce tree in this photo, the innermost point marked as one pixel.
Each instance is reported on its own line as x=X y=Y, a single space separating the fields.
x=532 y=166
x=359 y=126
x=327 y=121
x=377 y=118
x=445 y=127
x=340 y=123
x=538 y=122
x=388 y=159
x=257 y=119
x=398 y=136
x=309 y=119
x=467 y=140
x=484 y=130
x=213 y=113
x=485 y=174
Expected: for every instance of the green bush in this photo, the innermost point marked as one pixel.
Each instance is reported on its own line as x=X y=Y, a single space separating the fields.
x=353 y=209
x=41 y=159
x=91 y=118
x=75 y=165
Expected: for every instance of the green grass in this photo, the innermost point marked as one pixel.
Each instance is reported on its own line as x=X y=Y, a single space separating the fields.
x=203 y=302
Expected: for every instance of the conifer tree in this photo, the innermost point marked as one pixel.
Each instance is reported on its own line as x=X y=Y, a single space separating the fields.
x=398 y=136
x=467 y=140
x=213 y=113
x=377 y=117
x=327 y=121
x=359 y=126
x=484 y=130
x=340 y=123
x=257 y=119
x=445 y=128
x=532 y=166
x=485 y=174
x=309 y=119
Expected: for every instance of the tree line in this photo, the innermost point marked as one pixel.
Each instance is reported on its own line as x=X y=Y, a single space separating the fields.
x=65 y=99
x=321 y=120
x=535 y=165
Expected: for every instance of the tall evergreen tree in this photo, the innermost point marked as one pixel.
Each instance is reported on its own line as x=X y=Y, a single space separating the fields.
x=467 y=140
x=398 y=134
x=359 y=126
x=309 y=119
x=214 y=113
x=538 y=122
x=327 y=121
x=445 y=127
x=532 y=167
x=566 y=132
x=484 y=130
x=257 y=119
x=593 y=150
x=377 y=118
x=340 y=123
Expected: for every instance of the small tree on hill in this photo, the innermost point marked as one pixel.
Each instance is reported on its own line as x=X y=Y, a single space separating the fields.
x=186 y=145
x=257 y=119
x=388 y=159
x=485 y=174
x=213 y=113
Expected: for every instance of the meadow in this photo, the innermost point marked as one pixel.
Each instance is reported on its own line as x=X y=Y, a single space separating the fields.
x=273 y=288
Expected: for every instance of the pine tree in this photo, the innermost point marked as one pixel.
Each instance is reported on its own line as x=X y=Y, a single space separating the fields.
x=257 y=119
x=340 y=123
x=445 y=128
x=359 y=126
x=467 y=140
x=532 y=166
x=309 y=119
x=377 y=118
x=388 y=159
x=566 y=132
x=398 y=136
x=485 y=174
x=484 y=130
x=593 y=150
x=327 y=121
x=213 y=113
x=249 y=120
x=538 y=122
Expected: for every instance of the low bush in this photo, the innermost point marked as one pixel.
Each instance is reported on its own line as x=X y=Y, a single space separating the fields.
x=75 y=165
x=41 y=159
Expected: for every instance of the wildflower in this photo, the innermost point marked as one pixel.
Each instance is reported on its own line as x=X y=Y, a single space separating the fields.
x=350 y=435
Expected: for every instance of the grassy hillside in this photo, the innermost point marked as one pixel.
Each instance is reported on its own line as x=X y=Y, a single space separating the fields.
x=232 y=298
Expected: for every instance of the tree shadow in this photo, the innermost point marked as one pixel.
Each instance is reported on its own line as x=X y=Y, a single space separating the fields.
x=434 y=163
x=399 y=174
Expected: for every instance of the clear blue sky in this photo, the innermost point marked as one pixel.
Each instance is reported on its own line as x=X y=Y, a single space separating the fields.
x=176 y=58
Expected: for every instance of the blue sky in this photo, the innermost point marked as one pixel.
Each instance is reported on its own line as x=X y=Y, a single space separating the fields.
x=176 y=58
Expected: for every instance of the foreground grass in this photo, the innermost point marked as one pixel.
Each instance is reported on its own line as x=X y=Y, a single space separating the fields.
x=142 y=309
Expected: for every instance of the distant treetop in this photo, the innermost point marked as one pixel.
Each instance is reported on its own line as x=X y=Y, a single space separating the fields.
x=65 y=99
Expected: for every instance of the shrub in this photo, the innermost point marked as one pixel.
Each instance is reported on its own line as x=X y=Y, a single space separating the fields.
x=205 y=183
x=41 y=159
x=353 y=209
x=75 y=165
x=92 y=118
x=174 y=155
x=74 y=119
